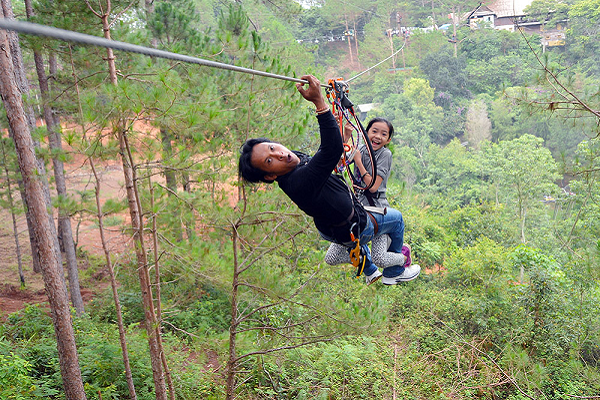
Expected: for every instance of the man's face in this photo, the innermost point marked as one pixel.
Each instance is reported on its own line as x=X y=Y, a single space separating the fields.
x=273 y=158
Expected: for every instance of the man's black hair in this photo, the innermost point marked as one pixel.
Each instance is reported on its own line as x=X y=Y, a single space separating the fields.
x=385 y=121
x=248 y=172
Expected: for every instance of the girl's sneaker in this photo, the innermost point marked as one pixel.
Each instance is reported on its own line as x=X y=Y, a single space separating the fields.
x=408 y=274
x=374 y=277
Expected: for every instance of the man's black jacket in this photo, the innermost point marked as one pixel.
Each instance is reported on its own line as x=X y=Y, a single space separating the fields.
x=320 y=193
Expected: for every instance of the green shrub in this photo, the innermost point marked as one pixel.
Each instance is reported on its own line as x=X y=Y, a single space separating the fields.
x=193 y=382
x=484 y=265
x=469 y=223
x=15 y=380
x=210 y=314
x=103 y=307
x=350 y=368
x=28 y=322
x=206 y=307
x=101 y=361
x=547 y=326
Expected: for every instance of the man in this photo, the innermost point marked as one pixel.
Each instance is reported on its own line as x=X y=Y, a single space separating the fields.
x=309 y=182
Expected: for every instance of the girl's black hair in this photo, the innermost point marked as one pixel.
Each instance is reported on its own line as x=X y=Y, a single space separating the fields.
x=378 y=119
x=245 y=168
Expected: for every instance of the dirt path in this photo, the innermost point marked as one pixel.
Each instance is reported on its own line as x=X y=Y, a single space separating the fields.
x=79 y=179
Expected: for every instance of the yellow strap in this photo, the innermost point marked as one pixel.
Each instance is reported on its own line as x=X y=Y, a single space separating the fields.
x=355 y=258
x=355 y=253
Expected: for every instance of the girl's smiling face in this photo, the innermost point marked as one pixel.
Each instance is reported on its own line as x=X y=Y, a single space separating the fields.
x=379 y=135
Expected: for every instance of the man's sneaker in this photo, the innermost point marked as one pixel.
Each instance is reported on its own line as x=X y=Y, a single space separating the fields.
x=406 y=252
x=374 y=277
x=408 y=274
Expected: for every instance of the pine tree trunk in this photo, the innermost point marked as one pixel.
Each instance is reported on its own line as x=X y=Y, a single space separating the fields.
x=349 y=41
x=113 y=284
x=231 y=363
x=190 y=226
x=12 y=214
x=392 y=48
x=43 y=226
x=32 y=239
x=64 y=221
x=356 y=41
x=158 y=293
x=17 y=244
x=149 y=6
x=21 y=82
x=53 y=69
x=142 y=268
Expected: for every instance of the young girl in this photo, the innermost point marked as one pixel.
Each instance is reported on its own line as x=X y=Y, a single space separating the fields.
x=380 y=132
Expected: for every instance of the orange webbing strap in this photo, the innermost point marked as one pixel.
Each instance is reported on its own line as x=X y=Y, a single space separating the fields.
x=337 y=111
x=339 y=115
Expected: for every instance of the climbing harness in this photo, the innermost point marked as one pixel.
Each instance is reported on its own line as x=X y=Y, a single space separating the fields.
x=343 y=110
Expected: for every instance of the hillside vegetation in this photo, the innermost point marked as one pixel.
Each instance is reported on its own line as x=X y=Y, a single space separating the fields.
x=495 y=170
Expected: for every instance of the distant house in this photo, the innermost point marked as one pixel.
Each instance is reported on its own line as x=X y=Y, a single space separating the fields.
x=363 y=109
x=498 y=14
x=508 y=14
x=481 y=17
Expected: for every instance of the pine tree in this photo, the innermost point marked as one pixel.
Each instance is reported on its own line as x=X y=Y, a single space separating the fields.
x=33 y=179
x=10 y=176
x=54 y=139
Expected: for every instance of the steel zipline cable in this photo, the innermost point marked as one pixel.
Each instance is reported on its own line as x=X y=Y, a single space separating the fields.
x=70 y=36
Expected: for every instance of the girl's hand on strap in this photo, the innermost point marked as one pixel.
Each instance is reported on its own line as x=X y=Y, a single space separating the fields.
x=358 y=158
x=348 y=131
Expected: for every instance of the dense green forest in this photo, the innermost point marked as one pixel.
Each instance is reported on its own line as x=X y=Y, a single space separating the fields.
x=219 y=289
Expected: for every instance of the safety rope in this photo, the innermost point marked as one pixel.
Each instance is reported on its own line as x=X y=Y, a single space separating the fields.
x=343 y=110
x=379 y=63
x=70 y=36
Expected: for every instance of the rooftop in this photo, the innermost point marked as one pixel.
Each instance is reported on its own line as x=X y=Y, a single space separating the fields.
x=508 y=8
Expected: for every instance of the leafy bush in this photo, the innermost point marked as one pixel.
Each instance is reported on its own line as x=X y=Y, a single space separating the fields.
x=351 y=368
x=484 y=265
x=469 y=223
x=430 y=243
x=101 y=361
x=15 y=381
x=103 y=307
x=28 y=322
x=194 y=382
x=210 y=314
